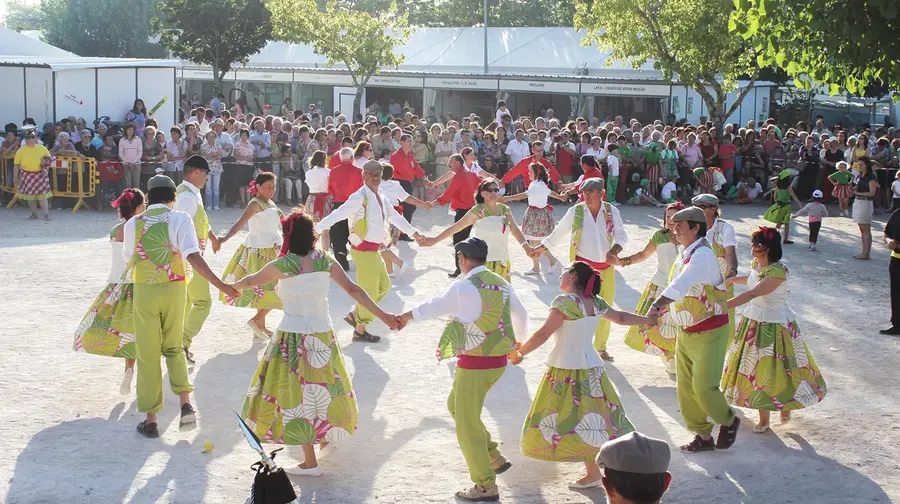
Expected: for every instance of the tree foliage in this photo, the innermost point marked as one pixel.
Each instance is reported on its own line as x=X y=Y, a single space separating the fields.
x=101 y=28
x=688 y=40
x=844 y=44
x=23 y=16
x=361 y=41
x=218 y=34
x=508 y=13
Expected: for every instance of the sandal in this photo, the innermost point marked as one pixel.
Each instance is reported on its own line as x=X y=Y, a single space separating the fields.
x=785 y=417
x=33 y=217
x=699 y=445
x=365 y=337
x=257 y=331
x=861 y=257
x=728 y=434
x=605 y=356
x=761 y=429
x=147 y=429
x=350 y=320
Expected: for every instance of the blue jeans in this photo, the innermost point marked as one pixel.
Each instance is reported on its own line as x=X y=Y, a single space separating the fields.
x=212 y=190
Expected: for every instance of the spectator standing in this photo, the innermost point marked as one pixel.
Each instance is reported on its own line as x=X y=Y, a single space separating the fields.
x=213 y=153
x=32 y=176
x=137 y=116
x=262 y=141
x=863 y=207
x=518 y=149
x=892 y=240
x=406 y=169
x=245 y=157
x=809 y=170
x=152 y=155
x=131 y=151
x=176 y=152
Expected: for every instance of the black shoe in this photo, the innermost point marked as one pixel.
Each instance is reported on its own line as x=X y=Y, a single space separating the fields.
x=787 y=242
x=188 y=416
x=454 y=274
x=188 y=355
x=699 y=445
x=728 y=434
x=148 y=430
x=405 y=238
x=891 y=331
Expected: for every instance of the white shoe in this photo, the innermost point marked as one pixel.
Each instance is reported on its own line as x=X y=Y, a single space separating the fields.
x=299 y=471
x=257 y=331
x=812 y=247
x=578 y=486
x=324 y=452
x=403 y=267
x=125 y=387
x=556 y=268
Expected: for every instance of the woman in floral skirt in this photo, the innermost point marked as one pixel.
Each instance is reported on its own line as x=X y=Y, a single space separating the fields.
x=576 y=408
x=263 y=218
x=537 y=223
x=108 y=327
x=301 y=393
x=768 y=366
x=656 y=340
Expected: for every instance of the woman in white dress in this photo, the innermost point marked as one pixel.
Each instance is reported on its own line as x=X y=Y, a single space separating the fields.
x=318 y=203
x=537 y=223
x=263 y=219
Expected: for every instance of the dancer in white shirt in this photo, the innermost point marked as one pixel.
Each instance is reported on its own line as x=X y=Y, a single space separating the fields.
x=396 y=194
x=318 y=203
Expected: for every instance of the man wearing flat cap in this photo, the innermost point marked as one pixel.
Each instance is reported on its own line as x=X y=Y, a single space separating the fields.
x=721 y=237
x=635 y=469
x=485 y=316
x=695 y=301
x=596 y=235
x=368 y=213
x=156 y=246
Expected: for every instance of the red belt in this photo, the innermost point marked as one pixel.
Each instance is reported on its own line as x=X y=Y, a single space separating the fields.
x=714 y=322
x=541 y=208
x=399 y=209
x=477 y=362
x=593 y=264
x=367 y=246
x=319 y=202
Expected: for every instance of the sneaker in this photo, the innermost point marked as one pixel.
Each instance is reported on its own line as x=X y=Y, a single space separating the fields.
x=500 y=464
x=215 y=209
x=299 y=471
x=125 y=387
x=479 y=493
x=891 y=331
x=574 y=485
x=148 y=430
x=188 y=416
x=812 y=247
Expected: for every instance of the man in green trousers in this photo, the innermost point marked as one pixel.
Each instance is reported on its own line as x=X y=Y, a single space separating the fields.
x=697 y=301
x=190 y=201
x=480 y=337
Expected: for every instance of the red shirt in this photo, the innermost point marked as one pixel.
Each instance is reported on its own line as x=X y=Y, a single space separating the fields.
x=461 y=192
x=343 y=181
x=405 y=166
x=335 y=160
x=730 y=150
x=522 y=169
x=564 y=161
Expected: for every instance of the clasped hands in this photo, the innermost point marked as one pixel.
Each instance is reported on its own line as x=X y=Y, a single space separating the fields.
x=397 y=322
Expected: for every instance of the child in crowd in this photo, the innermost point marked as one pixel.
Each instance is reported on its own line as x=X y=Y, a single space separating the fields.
x=642 y=195
x=780 y=211
x=841 y=181
x=748 y=190
x=669 y=191
x=727 y=153
x=670 y=161
x=816 y=211
x=112 y=174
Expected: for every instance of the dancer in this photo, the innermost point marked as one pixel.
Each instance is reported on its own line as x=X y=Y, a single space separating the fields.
x=768 y=366
x=537 y=223
x=721 y=237
x=108 y=327
x=368 y=213
x=699 y=302
x=485 y=316
x=190 y=201
x=491 y=221
x=396 y=195
x=344 y=180
x=155 y=245
x=521 y=168
x=303 y=363
x=568 y=421
x=815 y=211
x=596 y=236
x=780 y=211
x=263 y=219
x=656 y=339
x=318 y=203
x=461 y=196
x=841 y=180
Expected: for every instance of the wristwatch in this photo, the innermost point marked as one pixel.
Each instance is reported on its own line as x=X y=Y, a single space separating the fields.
x=655 y=306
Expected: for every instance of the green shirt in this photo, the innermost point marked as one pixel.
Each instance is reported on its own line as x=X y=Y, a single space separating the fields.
x=842 y=177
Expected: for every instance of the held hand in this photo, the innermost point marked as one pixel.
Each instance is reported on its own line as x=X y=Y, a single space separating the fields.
x=429 y=184
x=653 y=312
x=420 y=240
x=654 y=320
x=393 y=321
x=514 y=357
x=230 y=291
x=611 y=258
x=428 y=205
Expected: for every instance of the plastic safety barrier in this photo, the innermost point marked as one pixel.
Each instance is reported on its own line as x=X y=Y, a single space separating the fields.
x=70 y=177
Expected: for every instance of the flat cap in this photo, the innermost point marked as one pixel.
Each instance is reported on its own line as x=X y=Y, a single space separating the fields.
x=592 y=184
x=635 y=453
x=473 y=247
x=689 y=214
x=705 y=199
x=373 y=166
x=158 y=181
x=198 y=162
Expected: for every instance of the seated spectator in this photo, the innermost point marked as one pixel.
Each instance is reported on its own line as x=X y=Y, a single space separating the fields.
x=635 y=469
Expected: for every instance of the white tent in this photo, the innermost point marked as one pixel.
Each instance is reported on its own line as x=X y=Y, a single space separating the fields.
x=16 y=44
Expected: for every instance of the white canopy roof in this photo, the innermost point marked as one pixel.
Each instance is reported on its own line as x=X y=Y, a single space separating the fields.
x=13 y=43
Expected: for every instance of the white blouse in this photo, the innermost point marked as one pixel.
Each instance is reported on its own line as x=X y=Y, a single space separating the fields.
x=317 y=180
x=265 y=229
x=538 y=192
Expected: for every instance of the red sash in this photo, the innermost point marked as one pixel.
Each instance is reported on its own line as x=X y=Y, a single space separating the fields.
x=476 y=362
x=593 y=264
x=319 y=203
x=367 y=246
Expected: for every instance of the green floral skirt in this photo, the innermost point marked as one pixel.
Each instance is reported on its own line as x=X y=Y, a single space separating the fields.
x=769 y=367
x=655 y=340
x=301 y=393
x=108 y=327
x=247 y=261
x=573 y=413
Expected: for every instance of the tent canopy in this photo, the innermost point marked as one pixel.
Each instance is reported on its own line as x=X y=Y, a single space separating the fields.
x=13 y=43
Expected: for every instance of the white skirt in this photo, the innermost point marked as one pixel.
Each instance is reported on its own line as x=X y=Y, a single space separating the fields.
x=863 y=211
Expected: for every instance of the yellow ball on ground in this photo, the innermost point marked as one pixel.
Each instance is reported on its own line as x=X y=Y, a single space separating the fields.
x=208 y=447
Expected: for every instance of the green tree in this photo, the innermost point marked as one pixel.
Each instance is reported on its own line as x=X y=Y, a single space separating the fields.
x=688 y=40
x=361 y=41
x=23 y=16
x=843 y=44
x=218 y=34
x=508 y=13
x=101 y=28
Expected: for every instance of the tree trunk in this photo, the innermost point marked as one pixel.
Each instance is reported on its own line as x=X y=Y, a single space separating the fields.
x=356 y=102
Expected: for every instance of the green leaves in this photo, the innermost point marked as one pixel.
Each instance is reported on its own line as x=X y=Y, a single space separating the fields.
x=105 y=28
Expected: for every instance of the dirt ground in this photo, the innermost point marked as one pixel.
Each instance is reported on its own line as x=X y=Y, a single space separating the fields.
x=70 y=437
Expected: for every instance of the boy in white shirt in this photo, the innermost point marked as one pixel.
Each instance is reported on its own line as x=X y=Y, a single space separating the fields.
x=669 y=192
x=501 y=111
x=612 y=181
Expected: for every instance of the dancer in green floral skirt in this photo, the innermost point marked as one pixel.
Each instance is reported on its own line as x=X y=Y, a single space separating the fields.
x=301 y=393
x=576 y=408
x=768 y=366
x=263 y=218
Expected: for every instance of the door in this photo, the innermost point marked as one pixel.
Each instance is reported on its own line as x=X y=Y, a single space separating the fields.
x=343 y=100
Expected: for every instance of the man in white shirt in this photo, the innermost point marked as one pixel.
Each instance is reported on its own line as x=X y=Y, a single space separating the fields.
x=703 y=334
x=160 y=296
x=517 y=149
x=481 y=357
x=367 y=212
x=596 y=234
x=190 y=201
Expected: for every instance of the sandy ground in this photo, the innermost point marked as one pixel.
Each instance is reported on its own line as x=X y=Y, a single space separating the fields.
x=69 y=436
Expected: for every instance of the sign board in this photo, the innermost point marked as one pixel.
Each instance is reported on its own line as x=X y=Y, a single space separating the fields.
x=624 y=89
x=569 y=87
x=332 y=79
x=197 y=74
x=473 y=83
x=264 y=76
x=395 y=81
